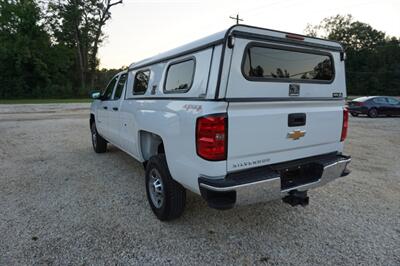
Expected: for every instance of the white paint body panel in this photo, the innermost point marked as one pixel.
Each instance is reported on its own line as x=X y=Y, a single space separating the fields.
x=257 y=131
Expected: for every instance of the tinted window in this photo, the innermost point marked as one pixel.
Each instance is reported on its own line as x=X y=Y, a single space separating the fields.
x=141 y=82
x=393 y=101
x=109 y=90
x=180 y=76
x=272 y=63
x=120 y=87
x=380 y=100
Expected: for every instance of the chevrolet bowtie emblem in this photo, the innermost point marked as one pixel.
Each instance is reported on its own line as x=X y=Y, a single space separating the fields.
x=295 y=135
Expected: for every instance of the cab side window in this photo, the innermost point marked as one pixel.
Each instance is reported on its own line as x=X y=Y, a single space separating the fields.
x=109 y=90
x=141 y=82
x=120 y=87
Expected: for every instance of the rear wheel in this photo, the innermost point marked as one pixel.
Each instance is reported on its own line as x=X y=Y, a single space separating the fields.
x=99 y=144
x=373 y=113
x=166 y=197
x=354 y=114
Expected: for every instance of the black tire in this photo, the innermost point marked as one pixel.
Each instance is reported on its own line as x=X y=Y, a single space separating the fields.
x=373 y=113
x=354 y=114
x=173 y=201
x=99 y=144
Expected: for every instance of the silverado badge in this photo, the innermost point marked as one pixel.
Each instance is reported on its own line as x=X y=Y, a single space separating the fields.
x=295 y=135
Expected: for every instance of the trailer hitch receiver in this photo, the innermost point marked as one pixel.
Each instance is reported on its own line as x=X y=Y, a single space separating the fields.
x=296 y=197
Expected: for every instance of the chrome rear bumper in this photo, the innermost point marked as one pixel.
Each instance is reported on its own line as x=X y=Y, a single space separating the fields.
x=265 y=184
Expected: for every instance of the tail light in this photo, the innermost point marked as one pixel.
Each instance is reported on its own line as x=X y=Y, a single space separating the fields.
x=212 y=136
x=358 y=104
x=345 y=124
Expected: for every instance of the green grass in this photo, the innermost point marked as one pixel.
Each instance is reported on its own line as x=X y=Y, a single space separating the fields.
x=41 y=101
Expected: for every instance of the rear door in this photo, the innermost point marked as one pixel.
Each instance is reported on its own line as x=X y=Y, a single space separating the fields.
x=137 y=85
x=285 y=103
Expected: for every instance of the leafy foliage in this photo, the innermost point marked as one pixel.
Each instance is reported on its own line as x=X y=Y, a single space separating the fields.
x=49 y=49
x=373 y=59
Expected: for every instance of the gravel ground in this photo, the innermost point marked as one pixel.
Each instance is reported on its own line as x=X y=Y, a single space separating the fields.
x=60 y=203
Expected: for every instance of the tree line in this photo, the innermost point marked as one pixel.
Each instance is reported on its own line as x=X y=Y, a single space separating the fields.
x=373 y=58
x=49 y=49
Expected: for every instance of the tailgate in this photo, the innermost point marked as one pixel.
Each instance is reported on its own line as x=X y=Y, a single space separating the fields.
x=259 y=132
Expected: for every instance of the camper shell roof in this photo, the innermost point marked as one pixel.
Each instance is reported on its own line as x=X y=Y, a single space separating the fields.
x=245 y=31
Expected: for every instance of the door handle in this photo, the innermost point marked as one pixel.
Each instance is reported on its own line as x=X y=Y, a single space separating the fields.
x=105 y=107
x=115 y=108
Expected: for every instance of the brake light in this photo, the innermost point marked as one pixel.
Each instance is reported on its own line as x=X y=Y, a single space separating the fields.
x=345 y=124
x=211 y=137
x=295 y=37
x=358 y=104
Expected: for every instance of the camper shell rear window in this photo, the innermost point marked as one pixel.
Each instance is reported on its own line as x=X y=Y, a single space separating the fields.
x=267 y=62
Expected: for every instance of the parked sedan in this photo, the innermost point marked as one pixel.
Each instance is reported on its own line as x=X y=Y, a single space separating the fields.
x=374 y=106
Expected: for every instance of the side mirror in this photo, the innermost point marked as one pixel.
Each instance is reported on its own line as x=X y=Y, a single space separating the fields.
x=95 y=95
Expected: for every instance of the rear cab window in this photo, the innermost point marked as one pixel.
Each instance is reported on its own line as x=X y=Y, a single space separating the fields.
x=141 y=82
x=265 y=62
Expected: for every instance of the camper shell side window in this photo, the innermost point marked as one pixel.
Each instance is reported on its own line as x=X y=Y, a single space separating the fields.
x=277 y=63
x=180 y=75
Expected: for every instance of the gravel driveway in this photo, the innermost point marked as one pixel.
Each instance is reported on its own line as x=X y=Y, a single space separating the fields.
x=60 y=203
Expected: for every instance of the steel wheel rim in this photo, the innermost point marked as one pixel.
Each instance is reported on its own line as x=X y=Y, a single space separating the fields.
x=156 y=188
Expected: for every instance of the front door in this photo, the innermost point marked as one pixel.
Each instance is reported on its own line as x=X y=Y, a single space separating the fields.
x=103 y=112
x=115 y=120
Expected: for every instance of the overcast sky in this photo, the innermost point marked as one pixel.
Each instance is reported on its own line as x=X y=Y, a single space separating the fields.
x=143 y=28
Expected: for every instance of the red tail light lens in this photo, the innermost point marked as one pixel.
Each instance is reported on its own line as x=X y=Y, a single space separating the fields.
x=358 y=104
x=211 y=137
x=345 y=124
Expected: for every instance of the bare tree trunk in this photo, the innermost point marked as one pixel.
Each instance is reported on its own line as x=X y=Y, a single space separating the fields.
x=104 y=16
x=80 y=60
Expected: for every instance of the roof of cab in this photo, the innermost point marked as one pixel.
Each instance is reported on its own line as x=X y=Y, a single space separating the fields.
x=237 y=30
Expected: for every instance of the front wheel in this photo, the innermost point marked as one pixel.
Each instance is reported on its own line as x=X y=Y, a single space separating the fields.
x=99 y=144
x=166 y=197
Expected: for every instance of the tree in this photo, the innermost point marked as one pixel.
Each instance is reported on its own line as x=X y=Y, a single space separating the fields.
x=79 y=24
x=354 y=35
x=103 y=15
x=23 y=40
x=373 y=59
x=49 y=48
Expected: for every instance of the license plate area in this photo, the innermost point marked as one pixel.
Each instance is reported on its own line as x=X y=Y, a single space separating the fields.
x=300 y=175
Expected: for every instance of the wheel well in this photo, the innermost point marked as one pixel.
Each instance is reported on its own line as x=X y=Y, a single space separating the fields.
x=150 y=144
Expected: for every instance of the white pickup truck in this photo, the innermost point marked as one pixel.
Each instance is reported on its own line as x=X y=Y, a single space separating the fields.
x=245 y=115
